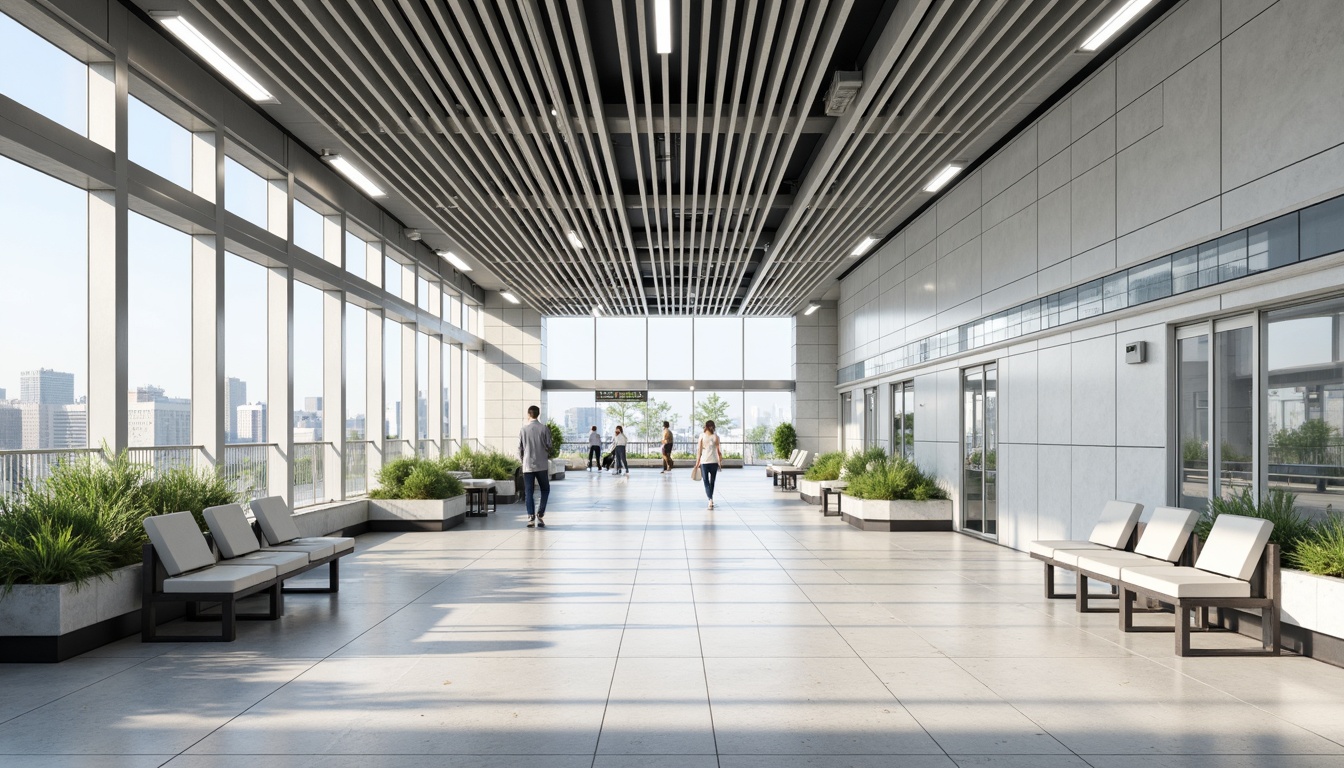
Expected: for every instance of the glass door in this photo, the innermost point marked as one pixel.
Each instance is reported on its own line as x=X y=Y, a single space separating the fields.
x=1216 y=410
x=979 y=450
x=903 y=419
x=1192 y=416
x=870 y=417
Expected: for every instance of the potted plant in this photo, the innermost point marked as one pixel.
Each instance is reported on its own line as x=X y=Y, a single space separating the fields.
x=557 y=464
x=785 y=439
x=416 y=494
x=823 y=473
x=894 y=494
x=70 y=552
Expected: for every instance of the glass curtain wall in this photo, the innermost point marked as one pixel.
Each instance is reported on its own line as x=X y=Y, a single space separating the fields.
x=159 y=335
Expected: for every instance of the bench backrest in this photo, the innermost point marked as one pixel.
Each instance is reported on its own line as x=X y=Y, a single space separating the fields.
x=1116 y=524
x=793 y=455
x=179 y=542
x=273 y=516
x=800 y=459
x=233 y=535
x=1234 y=546
x=1167 y=533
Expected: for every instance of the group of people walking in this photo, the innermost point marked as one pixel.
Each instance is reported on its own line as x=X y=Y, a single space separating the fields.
x=534 y=447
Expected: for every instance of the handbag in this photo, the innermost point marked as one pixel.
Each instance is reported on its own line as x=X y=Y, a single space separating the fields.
x=695 y=473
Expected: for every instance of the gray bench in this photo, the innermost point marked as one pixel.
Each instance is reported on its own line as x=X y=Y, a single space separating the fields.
x=1114 y=530
x=280 y=533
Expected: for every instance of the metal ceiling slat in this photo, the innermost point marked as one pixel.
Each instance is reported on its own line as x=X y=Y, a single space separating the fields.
x=657 y=255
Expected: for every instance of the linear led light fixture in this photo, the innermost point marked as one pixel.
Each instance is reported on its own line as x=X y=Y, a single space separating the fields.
x=942 y=178
x=574 y=240
x=211 y=53
x=662 y=22
x=811 y=308
x=1116 y=23
x=509 y=297
x=455 y=260
x=864 y=247
x=597 y=310
x=354 y=175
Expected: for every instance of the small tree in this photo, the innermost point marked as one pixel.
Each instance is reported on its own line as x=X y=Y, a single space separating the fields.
x=715 y=409
x=785 y=440
x=557 y=438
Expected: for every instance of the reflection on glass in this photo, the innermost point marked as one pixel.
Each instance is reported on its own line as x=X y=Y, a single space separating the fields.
x=1233 y=397
x=1323 y=228
x=903 y=419
x=870 y=413
x=850 y=427
x=1192 y=420
x=1304 y=403
x=979 y=392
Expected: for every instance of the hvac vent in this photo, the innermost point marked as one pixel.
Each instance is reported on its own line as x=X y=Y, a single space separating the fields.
x=844 y=87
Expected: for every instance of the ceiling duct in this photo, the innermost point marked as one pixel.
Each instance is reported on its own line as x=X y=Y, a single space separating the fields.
x=844 y=87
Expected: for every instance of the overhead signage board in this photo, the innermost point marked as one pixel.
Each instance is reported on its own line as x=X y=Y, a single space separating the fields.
x=622 y=395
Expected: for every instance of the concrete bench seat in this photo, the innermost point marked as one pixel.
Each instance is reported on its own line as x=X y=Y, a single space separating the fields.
x=1237 y=568
x=279 y=533
x=1114 y=531
x=180 y=567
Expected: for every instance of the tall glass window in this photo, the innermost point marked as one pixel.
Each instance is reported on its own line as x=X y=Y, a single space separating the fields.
x=356 y=371
x=762 y=412
x=1192 y=418
x=309 y=226
x=158 y=144
x=575 y=412
x=356 y=255
x=446 y=359
x=980 y=448
x=570 y=348
x=1304 y=403
x=159 y=334
x=671 y=355
x=903 y=419
x=42 y=77
x=725 y=409
x=245 y=349
x=392 y=378
x=767 y=348
x=44 y=304
x=421 y=386
x=245 y=193
x=675 y=407
x=621 y=348
x=721 y=358
x=308 y=362
x=1234 y=398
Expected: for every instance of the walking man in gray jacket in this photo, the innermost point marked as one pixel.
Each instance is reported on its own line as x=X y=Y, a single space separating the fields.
x=534 y=450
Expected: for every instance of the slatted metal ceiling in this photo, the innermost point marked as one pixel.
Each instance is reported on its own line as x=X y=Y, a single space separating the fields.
x=707 y=181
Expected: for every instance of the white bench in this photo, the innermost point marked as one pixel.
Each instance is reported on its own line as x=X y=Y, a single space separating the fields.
x=179 y=567
x=1114 y=531
x=782 y=462
x=772 y=470
x=1237 y=568
x=1165 y=540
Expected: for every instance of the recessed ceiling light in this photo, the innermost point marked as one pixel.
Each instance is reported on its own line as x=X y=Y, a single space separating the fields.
x=863 y=247
x=455 y=260
x=354 y=175
x=574 y=240
x=509 y=297
x=812 y=308
x=216 y=58
x=662 y=21
x=1116 y=23
x=944 y=176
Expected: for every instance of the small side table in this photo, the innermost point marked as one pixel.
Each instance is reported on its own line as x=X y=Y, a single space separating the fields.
x=826 y=493
x=480 y=497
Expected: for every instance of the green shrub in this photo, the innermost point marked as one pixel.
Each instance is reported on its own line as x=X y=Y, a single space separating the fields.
x=486 y=465
x=859 y=462
x=785 y=439
x=557 y=439
x=87 y=519
x=893 y=479
x=1278 y=506
x=1323 y=552
x=416 y=478
x=827 y=466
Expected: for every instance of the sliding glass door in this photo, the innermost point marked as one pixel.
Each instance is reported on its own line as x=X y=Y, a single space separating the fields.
x=979 y=449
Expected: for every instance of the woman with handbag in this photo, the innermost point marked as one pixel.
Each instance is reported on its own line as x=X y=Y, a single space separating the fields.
x=618 y=443
x=708 y=457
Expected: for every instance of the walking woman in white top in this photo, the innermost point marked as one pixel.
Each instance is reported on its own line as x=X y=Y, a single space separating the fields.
x=707 y=460
x=618 y=450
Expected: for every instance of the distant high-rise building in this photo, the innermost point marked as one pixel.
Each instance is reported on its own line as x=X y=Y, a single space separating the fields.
x=252 y=423
x=153 y=419
x=355 y=428
x=235 y=395
x=11 y=427
x=2 y=393
x=312 y=404
x=47 y=387
x=579 y=420
x=46 y=426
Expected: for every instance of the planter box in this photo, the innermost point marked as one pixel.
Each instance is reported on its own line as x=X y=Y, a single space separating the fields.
x=1313 y=602
x=53 y=622
x=417 y=514
x=810 y=490
x=558 y=469
x=506 y=491
x=934 y=515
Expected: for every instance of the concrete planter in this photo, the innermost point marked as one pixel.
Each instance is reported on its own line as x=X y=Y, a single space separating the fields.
x=506 y=491
x=53 y=622
x=557 y=469
x=870 y=515
x=417 y=514
x=1313 y=602
x=810 y=490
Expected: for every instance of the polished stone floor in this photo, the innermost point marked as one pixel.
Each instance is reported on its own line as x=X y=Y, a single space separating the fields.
x=640 y=629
